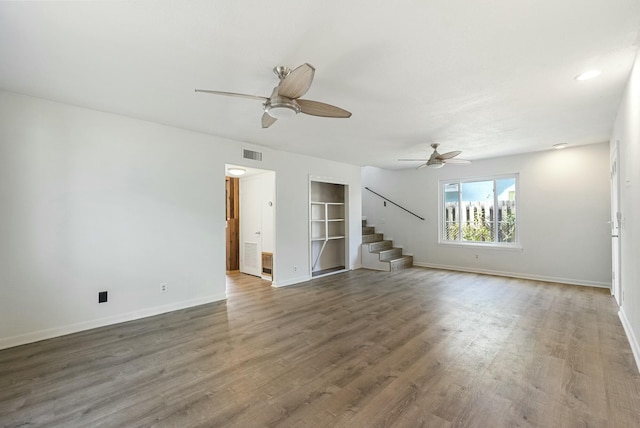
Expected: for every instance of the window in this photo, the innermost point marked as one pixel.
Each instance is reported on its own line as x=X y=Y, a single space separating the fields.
x=479 y=211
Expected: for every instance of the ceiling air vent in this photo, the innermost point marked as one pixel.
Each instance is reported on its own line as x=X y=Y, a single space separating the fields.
x=250 y=154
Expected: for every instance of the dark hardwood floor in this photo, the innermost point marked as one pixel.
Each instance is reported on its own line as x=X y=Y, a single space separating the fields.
x=418 y=347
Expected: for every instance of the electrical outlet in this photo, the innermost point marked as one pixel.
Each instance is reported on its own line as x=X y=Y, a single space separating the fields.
x=163 y=287
x=102 y=296
x=295 y=268
x=476 y=257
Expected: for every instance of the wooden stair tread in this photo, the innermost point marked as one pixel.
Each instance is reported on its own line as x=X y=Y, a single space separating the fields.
x=399 y=258
x=381 y=251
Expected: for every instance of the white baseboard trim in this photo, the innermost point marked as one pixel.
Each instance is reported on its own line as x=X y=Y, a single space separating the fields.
x=291 y=281
x=631 y=337
x=36 y=336
x=356 y=266
x=517 y=275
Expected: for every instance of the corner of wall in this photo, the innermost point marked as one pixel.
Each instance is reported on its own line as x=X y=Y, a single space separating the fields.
x=633 y=341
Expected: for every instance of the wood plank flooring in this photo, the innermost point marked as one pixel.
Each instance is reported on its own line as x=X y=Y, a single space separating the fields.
x=419 y=347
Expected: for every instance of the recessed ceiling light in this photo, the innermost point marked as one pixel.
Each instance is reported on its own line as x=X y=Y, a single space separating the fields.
x=588 y=75
x=560 y=146
x=236 y=171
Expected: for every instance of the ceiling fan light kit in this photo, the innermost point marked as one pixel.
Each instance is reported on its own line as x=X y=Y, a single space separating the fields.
x=285 y=99
x=280 y=107
x=281 y=111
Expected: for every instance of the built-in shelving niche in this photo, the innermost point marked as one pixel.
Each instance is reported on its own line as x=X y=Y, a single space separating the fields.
x=328 y=237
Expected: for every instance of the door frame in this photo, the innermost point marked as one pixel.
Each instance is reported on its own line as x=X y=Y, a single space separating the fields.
x=616 y=229
x=232 y=223
x=347 y=207
x=270 y=204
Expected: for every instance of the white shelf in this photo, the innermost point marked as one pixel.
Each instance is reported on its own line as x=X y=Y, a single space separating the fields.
x=328 y=212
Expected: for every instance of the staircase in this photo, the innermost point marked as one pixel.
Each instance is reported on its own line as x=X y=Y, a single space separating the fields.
x=379 y=254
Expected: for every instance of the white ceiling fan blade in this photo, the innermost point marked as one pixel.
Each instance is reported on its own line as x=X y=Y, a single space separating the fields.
x=456 y=161
x=298 y=82
x=267 y=120
x=449 y=155
x=233 y=94
x=422 y=166
x=413 y=160
x=316 y=108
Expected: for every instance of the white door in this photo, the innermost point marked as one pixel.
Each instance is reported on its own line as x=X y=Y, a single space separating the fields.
x=251 y=225
x=616 y=216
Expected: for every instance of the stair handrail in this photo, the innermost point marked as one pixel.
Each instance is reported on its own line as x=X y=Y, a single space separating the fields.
x=399 y=206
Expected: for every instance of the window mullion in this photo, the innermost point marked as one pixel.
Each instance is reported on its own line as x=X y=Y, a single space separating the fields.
x=495 y=212
x=459 y=210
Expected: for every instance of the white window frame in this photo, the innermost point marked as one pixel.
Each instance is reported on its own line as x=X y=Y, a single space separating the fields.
x=495 y=244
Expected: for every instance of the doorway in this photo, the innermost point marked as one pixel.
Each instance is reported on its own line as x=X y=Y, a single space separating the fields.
x=232 y=225
x=251 y=197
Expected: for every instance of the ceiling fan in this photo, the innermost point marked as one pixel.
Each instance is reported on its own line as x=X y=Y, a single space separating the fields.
x=285 y=99
x=437 y=160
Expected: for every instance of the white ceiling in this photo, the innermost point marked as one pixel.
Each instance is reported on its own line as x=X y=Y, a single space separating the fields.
x=491 y=77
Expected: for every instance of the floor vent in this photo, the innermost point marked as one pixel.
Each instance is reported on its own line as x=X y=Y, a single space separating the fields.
x=250 y=154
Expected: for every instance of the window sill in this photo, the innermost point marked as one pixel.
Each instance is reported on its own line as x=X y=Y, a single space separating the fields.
x=488 y=246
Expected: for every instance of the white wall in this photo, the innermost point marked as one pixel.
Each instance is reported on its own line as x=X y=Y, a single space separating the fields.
x=268 y=233
x=91 y=201
x=562 y=213
x=627 y=132
x=292 y=210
